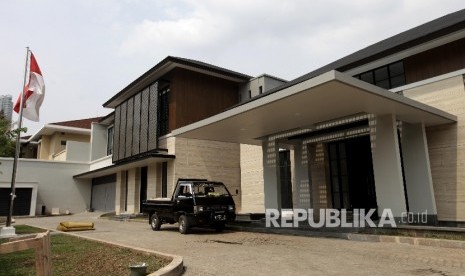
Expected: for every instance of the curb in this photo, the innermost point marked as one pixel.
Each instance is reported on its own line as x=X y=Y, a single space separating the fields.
x=416 y=241
x=407 y=240
x=174 y=268
x=289 y=232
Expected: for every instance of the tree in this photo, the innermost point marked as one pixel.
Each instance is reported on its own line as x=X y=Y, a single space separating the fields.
x=7 y=142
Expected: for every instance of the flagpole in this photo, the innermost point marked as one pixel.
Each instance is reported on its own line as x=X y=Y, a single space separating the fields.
x=18 y=147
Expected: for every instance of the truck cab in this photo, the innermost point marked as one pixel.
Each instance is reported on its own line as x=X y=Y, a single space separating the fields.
x=195 y=202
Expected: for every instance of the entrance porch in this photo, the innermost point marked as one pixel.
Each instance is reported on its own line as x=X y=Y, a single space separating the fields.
x=351 y=145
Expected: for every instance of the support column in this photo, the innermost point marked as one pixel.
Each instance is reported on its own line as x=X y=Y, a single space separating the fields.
x=133 y=191
x=417 y=170
x=152 y=181
x=387 y=166
x=302 y=180
x=120 y=195
x=271 y=175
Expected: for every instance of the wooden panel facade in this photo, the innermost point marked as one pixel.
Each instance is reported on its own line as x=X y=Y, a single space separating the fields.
x=135 y=125
x=191 y=96
x=195 y=96
x=435 y=62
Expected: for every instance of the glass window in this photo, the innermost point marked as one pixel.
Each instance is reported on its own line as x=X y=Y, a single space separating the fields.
x=381 y=74
x=396 y=69
x=388 y=76
x=163 y=112
x=397 y=81
x=367 y=77
x=383 y=84
x=110 y=140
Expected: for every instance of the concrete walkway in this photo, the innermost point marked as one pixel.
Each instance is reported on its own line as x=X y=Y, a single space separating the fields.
x=243 y=253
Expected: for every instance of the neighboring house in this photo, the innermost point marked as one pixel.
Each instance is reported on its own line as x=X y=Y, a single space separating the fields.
x=381 y=128
x=53 y=141
x=44 y=179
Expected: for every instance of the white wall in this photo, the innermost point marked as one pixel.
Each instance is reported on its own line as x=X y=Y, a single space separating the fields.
x=77 y=151
x=265 y=81
x=56 y=186
x=98 y=141
x=100 y=163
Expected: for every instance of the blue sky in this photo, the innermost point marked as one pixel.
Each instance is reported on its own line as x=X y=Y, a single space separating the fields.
x=90 y=50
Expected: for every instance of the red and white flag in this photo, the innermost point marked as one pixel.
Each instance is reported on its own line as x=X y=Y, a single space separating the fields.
x=34 y=93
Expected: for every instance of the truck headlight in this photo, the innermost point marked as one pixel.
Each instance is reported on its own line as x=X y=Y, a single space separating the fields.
x=198 y=209
x=230 y=207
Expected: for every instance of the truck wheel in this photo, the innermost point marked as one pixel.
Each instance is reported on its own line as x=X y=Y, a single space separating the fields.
x=155 y=222
x=183 y=224
x=219 y=227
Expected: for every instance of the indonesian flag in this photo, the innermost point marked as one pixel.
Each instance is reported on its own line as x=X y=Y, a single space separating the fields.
x=34 y=93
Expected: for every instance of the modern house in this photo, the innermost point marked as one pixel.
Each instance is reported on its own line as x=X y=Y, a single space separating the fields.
x=381 y=128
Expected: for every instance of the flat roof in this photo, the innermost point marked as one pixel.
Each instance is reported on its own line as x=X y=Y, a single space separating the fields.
x=326 y=97
x=149 y=159
x=424 y=33
x=167 y=65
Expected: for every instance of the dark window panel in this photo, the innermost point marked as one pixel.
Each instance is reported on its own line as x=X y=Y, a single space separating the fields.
x=116 y=133
x=367 y=77
x=381 y=74
x=397 y=81
x=383 y=84
x=110 y=132
x=396 y=69
x=163 y=112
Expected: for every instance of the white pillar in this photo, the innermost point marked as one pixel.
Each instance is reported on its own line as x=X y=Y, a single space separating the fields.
x=271 y=174
x=417 y=169
x=152 y=181
x=387 y=166
x=120 y=196
x=133 y=196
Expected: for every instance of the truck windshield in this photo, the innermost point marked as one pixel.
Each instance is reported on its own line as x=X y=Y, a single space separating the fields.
x=210 y=190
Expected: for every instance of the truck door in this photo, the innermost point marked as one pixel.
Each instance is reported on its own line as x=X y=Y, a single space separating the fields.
x=184 y=201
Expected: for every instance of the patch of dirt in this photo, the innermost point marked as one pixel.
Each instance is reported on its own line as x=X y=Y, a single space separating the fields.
x=251 y=240
x=430 y=271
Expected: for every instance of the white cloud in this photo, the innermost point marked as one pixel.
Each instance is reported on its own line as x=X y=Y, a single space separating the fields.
x=90 y=50
x=272 y=36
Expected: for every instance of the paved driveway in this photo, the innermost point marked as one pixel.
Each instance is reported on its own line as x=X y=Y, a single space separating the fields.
x=240 y=253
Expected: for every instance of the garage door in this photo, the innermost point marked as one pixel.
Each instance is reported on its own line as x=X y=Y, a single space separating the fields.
x=103 y=193
x=22 y=206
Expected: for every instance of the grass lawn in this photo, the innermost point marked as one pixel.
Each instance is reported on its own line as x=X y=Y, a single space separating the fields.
x=76 y=256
